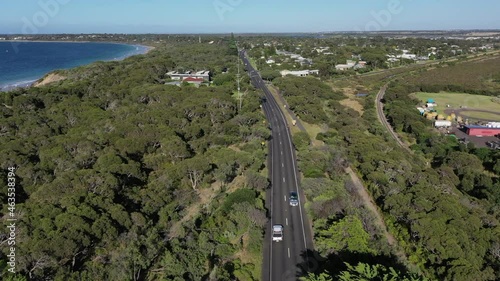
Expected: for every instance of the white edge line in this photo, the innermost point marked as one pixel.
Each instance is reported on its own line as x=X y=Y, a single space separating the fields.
x=271 y=213
x=295 y=175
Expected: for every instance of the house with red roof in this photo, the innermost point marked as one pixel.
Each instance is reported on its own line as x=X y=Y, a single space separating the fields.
x=196 y=81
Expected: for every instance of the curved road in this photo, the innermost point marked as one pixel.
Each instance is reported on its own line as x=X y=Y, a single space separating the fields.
x=288 y=259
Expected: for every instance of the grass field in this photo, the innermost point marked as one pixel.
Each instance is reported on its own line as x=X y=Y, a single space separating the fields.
x=485 y=116
x=313 y=131
x=455 y=100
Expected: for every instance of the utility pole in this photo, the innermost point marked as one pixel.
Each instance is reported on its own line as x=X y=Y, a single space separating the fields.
x=238 y=82
x=240 y=98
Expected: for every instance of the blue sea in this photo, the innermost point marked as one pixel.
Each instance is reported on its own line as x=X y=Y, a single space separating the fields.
x=22 y=63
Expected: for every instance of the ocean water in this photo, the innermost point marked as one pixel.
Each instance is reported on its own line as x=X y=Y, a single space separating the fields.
x=22 y=63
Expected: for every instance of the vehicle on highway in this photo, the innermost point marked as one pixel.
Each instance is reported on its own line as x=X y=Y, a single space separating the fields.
x=294 y=199
x=277 y=232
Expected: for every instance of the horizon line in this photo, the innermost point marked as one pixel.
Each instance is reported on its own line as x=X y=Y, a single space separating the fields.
x=277 y=32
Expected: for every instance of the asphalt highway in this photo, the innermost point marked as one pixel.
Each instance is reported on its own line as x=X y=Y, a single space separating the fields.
x=288 y=259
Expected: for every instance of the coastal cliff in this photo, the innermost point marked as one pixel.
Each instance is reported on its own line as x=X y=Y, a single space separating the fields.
x=50 y=78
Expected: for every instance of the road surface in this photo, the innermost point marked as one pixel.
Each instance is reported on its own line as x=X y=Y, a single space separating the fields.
x=286 y=260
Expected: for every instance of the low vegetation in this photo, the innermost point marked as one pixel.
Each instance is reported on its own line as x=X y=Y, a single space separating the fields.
x=480 y=76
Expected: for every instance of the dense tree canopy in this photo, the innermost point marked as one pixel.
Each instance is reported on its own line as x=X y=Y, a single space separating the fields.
x=122 y=178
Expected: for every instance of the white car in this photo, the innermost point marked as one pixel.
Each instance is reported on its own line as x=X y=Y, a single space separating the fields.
x=294 y=199
x=277 y=232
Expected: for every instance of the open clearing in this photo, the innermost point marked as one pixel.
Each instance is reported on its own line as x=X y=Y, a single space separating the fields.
x=458 y=100
x=353 y=104
x=479 y=115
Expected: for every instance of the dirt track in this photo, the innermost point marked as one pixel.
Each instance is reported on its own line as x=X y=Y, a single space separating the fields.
x=462 y=110
x=381 y=117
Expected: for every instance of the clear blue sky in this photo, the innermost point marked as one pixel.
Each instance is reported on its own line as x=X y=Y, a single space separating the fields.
x=222 y=16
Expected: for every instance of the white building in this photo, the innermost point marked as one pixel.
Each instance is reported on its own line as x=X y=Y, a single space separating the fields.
x=442 y=123
x=408 y=56
x=342 y=67
x=299 y=73
x=204 y=74
x=493 y=124
x=321 y=49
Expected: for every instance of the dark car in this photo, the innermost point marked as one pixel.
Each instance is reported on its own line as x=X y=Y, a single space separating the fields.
x=294 y=199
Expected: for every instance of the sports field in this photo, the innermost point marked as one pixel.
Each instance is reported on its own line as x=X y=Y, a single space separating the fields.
x=477 y=115
x=464 y=104
x=459 y=100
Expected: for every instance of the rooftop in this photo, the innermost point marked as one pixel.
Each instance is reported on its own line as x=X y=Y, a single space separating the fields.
x=192 y=79
x=480 y=127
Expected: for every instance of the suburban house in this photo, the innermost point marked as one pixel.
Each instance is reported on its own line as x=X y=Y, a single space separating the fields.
x=196 y=81
x=204 y=74
x=322 y=49
x=342 y=67
x=392 y=58
x=304 y=61
x=408 y=56
x=350 y=65
x=190 y=80
x=296 y=57
x=299 y=73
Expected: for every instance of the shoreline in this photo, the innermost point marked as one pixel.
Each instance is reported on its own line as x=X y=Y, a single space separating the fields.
x=148 y=48
x=39 y=81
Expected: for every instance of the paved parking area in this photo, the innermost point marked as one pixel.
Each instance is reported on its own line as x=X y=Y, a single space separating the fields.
x=478 y=141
